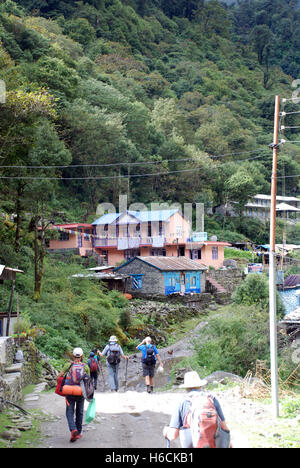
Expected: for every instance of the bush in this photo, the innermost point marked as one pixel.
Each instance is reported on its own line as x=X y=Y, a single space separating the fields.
x=234 y=340
x=255 y=291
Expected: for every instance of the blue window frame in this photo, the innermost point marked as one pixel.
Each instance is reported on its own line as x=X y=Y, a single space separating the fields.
x=137 y=281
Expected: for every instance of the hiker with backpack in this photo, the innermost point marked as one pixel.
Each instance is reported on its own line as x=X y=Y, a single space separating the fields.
x=149 y=355
x=74 y=374
x=114 y=353
x=198 y=419
x=93 y=364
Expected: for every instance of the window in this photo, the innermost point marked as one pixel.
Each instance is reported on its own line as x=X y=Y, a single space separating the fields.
x=137 y=281
x=131 y=253
x=149 y=229
x=105 y=227
x=215 y=253
x=160 y=228
x=64 y=236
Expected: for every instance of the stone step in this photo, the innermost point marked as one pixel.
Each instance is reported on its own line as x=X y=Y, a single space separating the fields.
x=11 y=378
x=14 y=368
x=216 y=285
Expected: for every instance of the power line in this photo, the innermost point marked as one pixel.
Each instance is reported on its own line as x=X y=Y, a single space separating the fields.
x=118 y=176
x=141 y=163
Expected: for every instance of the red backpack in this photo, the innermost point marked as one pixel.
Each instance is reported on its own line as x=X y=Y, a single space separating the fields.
x=203 y=420
x=94 y=365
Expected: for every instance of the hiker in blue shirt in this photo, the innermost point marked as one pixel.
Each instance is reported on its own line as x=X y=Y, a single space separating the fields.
x=149 y=355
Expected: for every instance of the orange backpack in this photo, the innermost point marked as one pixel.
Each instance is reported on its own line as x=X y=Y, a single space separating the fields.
x=203 y=420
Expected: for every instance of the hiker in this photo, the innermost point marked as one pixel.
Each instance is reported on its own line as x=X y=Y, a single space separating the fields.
x=75 y=403
x=149 y=355
x=93 y=364
x=181 y=419
x=114 y=353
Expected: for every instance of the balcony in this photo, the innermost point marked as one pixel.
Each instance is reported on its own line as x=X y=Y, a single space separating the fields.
x=124 y=243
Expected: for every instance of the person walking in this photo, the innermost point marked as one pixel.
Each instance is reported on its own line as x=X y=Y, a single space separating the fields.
x=149 y=355
x=113 y=353
x=93 y=363
x=75 y=403
x=180 y=424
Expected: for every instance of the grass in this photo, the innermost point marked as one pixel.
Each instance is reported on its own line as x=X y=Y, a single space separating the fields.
x=27 y=439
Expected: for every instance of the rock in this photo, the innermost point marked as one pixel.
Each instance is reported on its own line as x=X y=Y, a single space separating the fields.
x=221 y=377
x=11 y=434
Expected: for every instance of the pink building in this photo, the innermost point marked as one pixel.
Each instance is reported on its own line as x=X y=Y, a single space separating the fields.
x=73 y=237
x=119 y=237
x=164 y=233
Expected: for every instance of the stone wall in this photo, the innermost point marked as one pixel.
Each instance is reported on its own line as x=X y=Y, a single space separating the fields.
x=230 y=279
x=153 y=281
x=15 y=376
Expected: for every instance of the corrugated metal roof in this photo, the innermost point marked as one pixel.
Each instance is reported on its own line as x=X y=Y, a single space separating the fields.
x=292 y=281
x=141 y=216
x=173 y=263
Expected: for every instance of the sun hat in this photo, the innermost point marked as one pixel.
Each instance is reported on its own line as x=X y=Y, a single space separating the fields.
x=113 y=338
x=77 y=352
x=192 y=380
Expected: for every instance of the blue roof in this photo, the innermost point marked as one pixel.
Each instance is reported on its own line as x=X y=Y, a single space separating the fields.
x=141 y=216
x=106 y=219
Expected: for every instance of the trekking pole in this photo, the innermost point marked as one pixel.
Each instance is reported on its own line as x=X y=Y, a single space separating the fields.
x=168 y=442
x=101 y=370
x=126 y=369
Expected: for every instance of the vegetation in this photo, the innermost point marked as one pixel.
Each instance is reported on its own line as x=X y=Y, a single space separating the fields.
x=102 y=92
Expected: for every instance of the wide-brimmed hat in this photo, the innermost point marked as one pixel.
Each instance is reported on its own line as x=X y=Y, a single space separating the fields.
x=113 y=338
x=192 y=380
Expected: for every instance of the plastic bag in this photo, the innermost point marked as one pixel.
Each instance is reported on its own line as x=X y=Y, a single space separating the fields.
x=91 y=412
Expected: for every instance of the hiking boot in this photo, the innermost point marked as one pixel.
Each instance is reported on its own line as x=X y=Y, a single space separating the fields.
x=79 y=436
x=148 y=389
x=74 y=436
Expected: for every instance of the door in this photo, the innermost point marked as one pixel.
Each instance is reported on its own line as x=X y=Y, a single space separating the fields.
x=182 y=283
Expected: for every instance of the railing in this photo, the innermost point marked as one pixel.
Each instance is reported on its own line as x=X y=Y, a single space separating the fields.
x=124 y=243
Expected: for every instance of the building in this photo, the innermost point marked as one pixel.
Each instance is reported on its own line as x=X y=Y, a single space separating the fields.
x=6 y=317
x=164 y=275
x=259 y=207
x=163 y=233
x=75 y=237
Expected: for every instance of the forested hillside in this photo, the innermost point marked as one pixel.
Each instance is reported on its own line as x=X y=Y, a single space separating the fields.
x=101 y=94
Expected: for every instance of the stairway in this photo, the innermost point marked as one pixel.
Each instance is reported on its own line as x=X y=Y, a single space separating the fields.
x=214 y=286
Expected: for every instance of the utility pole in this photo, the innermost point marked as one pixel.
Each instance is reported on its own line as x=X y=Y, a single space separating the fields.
x=272 y=268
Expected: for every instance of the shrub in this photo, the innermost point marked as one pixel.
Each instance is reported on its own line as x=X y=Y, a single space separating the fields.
x=234 y=340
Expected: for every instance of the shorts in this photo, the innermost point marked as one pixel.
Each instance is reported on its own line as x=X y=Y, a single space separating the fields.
x=148 y=370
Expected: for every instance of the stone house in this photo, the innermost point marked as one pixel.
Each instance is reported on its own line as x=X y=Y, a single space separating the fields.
x=164 y=275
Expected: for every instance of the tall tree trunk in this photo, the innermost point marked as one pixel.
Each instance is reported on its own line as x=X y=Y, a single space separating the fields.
x=20 y=192
x=39 y=255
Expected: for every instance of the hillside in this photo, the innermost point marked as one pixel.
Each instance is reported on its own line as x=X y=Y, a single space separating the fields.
x=162 y=101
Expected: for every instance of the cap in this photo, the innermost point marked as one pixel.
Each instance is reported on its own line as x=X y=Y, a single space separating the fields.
x=77 y=352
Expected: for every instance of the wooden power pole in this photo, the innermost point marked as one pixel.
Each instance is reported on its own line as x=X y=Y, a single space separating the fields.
x=272 y=268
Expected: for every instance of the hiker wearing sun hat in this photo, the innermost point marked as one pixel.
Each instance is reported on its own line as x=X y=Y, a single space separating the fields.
x=181 y=424
x=114 y=353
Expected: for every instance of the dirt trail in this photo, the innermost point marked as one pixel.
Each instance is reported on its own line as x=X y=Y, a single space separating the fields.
x=133 y=418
